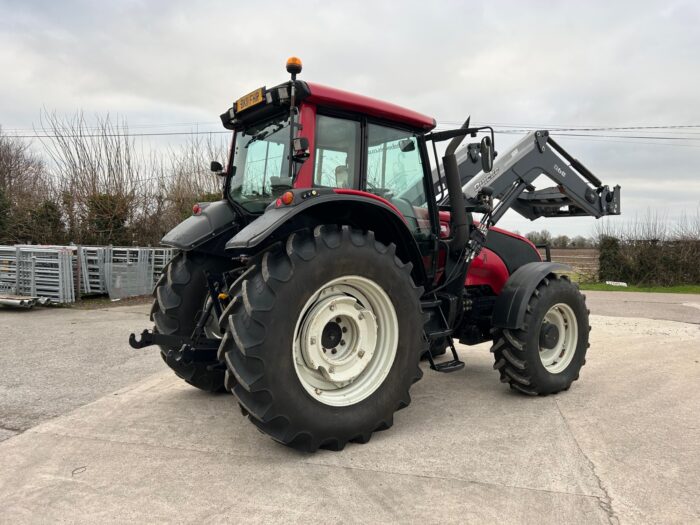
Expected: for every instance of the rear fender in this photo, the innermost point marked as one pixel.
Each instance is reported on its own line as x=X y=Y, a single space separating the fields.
x=215 y=220
x=511 y=305
x=312 y=207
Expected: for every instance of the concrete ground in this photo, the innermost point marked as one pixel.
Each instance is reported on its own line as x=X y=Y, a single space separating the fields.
x=97 y=432
x=668 y=306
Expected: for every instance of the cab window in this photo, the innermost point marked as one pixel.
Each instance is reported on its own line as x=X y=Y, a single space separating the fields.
x=336 y=158
x=395 y=172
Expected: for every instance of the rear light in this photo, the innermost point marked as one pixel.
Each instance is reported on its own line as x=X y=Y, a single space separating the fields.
x=287 y=198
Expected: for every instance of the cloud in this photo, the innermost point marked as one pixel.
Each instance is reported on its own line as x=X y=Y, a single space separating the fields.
x=535 y=63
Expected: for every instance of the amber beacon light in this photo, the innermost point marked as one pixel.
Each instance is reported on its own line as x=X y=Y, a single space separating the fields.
x=293 y=65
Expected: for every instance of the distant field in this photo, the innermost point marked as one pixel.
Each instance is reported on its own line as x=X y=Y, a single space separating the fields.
x=584 y=261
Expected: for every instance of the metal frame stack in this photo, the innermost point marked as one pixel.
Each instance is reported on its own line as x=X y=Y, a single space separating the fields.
x=8 y=270
x=54 y=273
x=39 y=271
x=92 y=269
x=161 y=257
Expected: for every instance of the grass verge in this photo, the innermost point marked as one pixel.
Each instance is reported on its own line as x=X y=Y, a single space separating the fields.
x=686 y=288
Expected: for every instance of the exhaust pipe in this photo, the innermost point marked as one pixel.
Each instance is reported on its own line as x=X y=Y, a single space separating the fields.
x=458 y=214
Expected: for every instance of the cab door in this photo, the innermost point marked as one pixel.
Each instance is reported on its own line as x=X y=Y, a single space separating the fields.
x=395 y=169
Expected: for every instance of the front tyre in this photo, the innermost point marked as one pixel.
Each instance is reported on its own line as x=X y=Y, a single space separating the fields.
x=324 y=338
x=547 y=356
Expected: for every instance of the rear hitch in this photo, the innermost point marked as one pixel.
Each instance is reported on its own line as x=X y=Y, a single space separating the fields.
x=201 y=350
x=146 y=340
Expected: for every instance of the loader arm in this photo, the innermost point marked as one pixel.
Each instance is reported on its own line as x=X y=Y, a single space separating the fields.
x=577 y=191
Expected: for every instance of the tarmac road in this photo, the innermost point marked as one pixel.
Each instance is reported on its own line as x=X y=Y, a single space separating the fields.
x=97 y=432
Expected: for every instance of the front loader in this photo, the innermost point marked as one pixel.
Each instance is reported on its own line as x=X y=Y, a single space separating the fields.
x=339 y=257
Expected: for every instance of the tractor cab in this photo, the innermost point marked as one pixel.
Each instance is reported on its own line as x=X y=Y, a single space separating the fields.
x=338 y=140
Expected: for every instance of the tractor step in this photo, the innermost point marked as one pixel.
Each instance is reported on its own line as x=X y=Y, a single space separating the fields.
x=452 y=365
x=431 y=303
x=433 y=336
x=448 y=366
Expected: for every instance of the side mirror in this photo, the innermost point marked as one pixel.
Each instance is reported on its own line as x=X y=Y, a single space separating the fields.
x=486 y=154
x=407 y=145
x=216 y=167
x=300 y=145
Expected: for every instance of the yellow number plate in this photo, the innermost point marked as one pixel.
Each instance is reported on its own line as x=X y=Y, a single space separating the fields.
x=251 y=99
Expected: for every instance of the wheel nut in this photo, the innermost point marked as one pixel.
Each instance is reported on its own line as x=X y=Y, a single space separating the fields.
x=331 y=307
x=342 y=342
x=345 y=329
x=361 y=317
x=334 y=351
x=337 y=319
x=361 y=354
x=313 y=342
x=324 y=350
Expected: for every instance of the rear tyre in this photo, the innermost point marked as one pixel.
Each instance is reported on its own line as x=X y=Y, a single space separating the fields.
x=547 y=356
x=332 y=289
x=180 y=296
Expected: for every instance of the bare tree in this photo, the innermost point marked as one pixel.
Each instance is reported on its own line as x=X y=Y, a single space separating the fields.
x=99 y=172
x=25 y=189
x=190 y=178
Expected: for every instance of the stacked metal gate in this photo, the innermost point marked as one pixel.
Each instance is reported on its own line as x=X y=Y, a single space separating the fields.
x=33 y=271
x=59 y=273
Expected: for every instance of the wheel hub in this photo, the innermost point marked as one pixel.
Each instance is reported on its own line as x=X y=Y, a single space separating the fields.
x=332 y=334
x=558 y=338
x=549 y=335
x=341 y=356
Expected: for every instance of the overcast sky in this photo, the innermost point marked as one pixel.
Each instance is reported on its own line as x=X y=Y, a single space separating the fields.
x=176 y=65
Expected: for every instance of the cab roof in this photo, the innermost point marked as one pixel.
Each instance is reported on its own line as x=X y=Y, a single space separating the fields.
x=337 y=98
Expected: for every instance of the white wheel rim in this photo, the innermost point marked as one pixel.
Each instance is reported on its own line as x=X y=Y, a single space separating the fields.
x=354 y=320
x=557 y=358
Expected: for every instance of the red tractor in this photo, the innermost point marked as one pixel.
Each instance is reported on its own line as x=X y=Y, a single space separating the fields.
x=338 y=257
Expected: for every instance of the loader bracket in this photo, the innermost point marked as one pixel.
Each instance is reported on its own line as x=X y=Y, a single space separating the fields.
x=541 y=139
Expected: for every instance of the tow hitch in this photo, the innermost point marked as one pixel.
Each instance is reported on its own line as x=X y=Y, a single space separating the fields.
x=197 y=347
x=203 y=350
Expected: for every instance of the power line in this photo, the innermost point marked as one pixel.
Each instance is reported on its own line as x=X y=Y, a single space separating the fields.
x=118 y=125
x=616 y=140
x=646 y=137
x=561 y=132
x=524 y=127
x=124 y=135
x=570 y=127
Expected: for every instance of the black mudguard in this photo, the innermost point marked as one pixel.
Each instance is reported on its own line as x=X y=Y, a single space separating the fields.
x=510 y=308
x=215 y=219
x=310 y=208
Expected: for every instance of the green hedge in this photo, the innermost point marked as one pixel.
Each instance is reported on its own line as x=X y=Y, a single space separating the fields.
x=651 y=263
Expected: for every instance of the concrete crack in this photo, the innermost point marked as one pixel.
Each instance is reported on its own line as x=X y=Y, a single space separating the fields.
x=604 y=502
